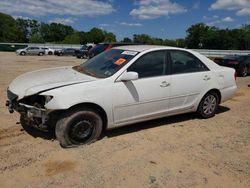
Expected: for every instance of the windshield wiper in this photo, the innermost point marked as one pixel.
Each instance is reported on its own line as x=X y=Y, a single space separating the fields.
x=83 y=70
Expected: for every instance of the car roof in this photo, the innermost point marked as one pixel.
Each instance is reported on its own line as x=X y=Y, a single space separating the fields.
x=140 y=48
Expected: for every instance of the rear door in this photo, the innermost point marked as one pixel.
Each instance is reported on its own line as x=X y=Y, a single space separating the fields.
x=189 y=78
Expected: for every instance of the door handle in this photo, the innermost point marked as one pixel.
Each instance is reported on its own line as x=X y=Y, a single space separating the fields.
x=164 y=84
x=206 y=78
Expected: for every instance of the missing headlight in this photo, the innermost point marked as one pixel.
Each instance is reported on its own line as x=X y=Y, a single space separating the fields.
x=36 y=100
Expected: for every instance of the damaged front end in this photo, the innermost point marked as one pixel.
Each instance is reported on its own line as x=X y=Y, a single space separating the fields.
x=32 y=109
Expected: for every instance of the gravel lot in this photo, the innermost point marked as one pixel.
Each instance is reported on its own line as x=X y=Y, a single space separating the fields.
x=179 y=151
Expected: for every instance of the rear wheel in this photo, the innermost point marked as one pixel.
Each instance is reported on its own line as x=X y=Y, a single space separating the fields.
x=40 y=53
x=50 y=53
x=243 y=71
x=208 y=105
x=84 y=56
x=79 y=126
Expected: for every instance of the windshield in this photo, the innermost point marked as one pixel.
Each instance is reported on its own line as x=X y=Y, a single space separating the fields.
x=107 y=63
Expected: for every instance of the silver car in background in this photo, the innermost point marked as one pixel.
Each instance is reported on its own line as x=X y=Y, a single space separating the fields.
x=31 y=51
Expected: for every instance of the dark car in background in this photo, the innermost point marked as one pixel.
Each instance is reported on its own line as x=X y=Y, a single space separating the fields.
x=65 y=51
x=83 y=52
x=241 y=63
x=99 y=48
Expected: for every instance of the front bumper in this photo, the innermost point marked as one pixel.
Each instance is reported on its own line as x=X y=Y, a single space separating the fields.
x=32 y=113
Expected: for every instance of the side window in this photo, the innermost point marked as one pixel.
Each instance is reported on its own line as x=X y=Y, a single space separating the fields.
x=184 y=62
x=150 y=64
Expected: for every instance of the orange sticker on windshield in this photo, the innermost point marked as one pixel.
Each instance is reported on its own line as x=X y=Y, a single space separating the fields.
x=119 y=61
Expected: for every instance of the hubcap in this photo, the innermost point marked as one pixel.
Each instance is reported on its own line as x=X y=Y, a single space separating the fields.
x=81 y=131
x=209 y=104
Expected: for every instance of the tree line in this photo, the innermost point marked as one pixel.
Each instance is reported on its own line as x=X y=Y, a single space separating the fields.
x=198 y=36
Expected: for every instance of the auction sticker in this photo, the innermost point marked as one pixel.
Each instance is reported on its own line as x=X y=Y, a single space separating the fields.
x=129 y=53
x=119 y=61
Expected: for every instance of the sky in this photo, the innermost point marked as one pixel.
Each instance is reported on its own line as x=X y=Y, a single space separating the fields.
x=167 y=19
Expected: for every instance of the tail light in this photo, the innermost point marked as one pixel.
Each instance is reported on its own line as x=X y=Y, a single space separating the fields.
x=235 y=75
x=108 y=47
x=233 y=62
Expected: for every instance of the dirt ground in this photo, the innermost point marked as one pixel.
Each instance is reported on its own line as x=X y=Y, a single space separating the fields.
x=179 y=151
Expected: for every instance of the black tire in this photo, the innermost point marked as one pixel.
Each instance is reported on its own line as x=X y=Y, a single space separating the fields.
x=208 y=105
x=78 y=126
x=243 y=71
x=22 y=53
x=50 y=53
x=85 y=56
x=41 y=54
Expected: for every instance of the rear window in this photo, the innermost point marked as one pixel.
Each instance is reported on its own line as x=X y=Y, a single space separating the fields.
x=234 y=57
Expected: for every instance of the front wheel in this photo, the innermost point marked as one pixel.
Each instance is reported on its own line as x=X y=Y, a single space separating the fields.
x=79 y=126
x=22 y=53
x=41 y=54
x=208 y=105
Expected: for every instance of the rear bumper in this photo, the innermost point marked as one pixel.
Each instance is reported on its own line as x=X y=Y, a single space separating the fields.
x=228 y=93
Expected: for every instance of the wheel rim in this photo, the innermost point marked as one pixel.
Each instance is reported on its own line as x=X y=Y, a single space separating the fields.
x=81 y=131
x=209 y=104
x=244 y=71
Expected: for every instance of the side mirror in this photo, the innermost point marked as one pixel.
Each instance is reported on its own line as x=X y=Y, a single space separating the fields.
x=128 y=76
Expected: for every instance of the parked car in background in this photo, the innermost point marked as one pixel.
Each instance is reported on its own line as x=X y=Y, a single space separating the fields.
x=48 y=51
x=65 y=52
x=124 y=85
x=241 y=63
x=31 y=51
x=83 y=51
x=99 y=48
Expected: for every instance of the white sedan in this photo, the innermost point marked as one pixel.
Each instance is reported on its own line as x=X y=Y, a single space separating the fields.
x=121 y=86
x=48 y=51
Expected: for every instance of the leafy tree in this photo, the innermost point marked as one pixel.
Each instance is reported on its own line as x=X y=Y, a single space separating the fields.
x=196 y=35
x=9 y=30
x=127 y=40
x=96 y=35
x=36 y=38
x=109 y=37
x=142 y=39
x=74 y=38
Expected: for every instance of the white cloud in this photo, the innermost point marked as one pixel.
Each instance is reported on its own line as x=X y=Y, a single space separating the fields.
x=131 y=24
x=59 y=7
x=242 y=7
x=227 y=19
x=243 y=12
x=65 y=21
x=104 y=25
x=152 y=9
x=22 y=17
x=221 y=21
x=210 y=18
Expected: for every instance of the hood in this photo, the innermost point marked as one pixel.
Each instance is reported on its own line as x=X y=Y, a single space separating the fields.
x=37 y=81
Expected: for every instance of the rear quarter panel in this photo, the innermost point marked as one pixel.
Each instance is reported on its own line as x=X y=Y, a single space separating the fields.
x=226 y=82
